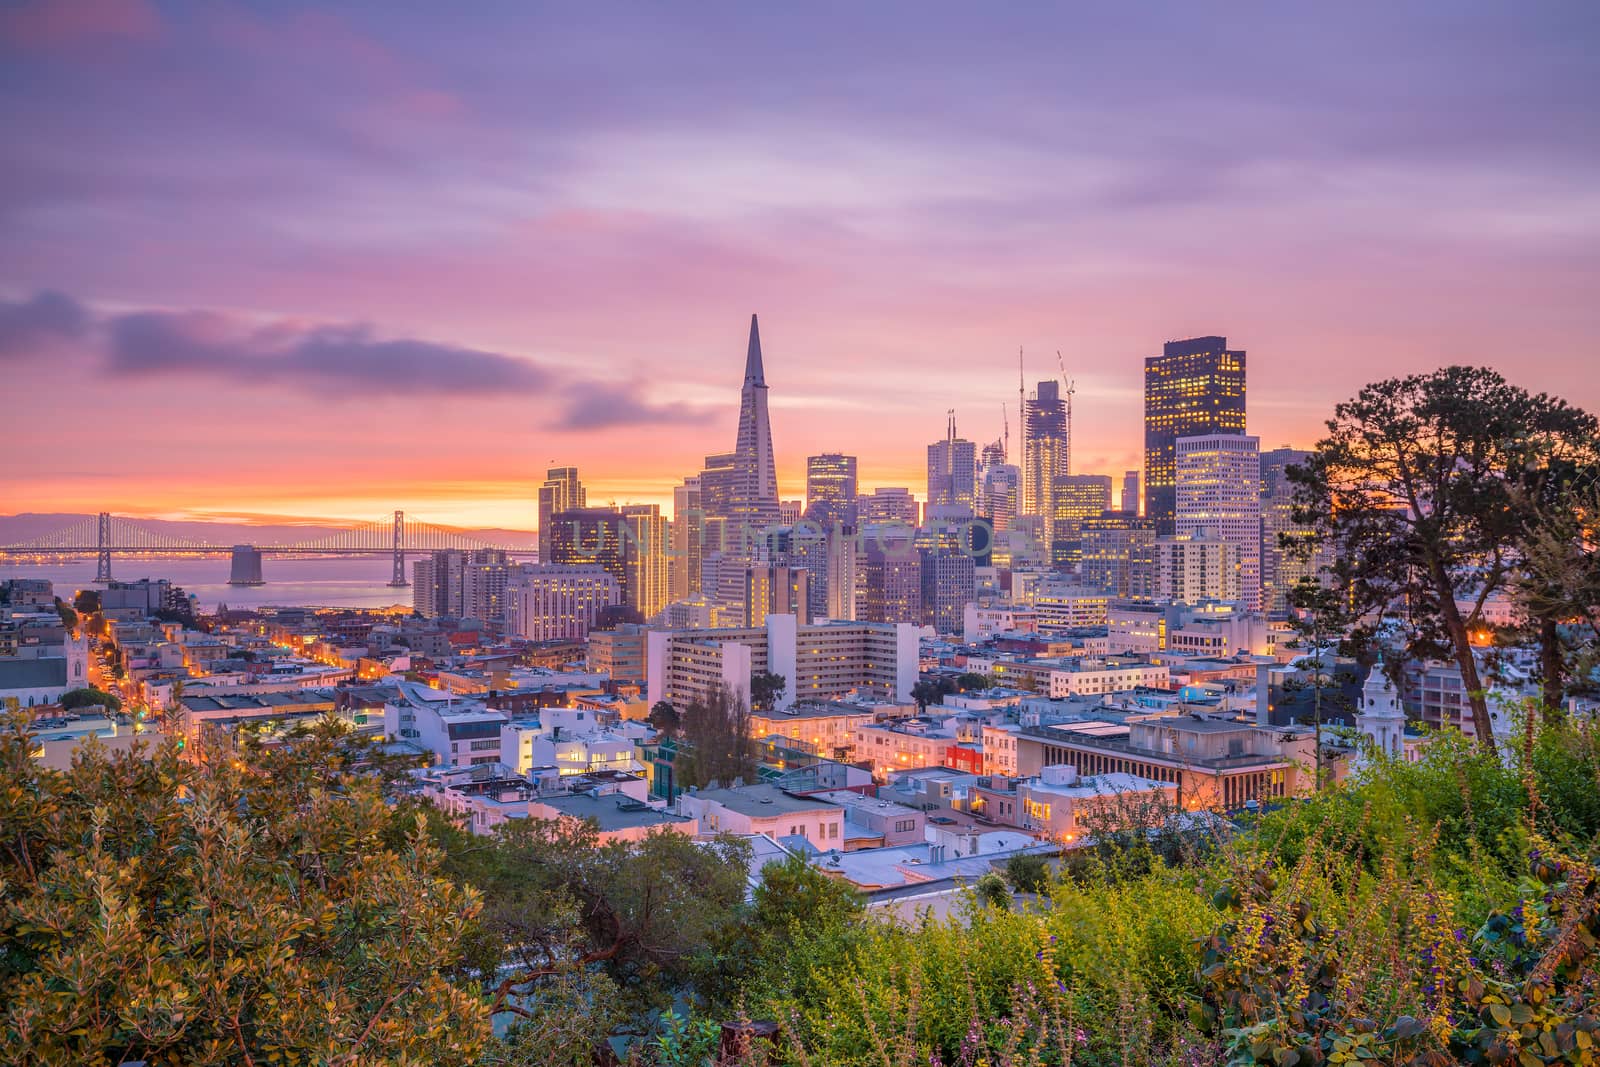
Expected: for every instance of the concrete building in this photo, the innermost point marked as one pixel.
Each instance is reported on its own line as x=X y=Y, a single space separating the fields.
x=842 y=575
x=617 y=817
x=458 y=732
x=1061 y=606
x=1289 y=550
x=572 y=740
x=826 y=729
x=1090 y=675
x=1196 y=566
x=981 y=621
x=772 y=589
x=551 y=602
x=887 y=506
x=592 y=537
x=948 y=586
x=619 y=653
x=1219 y=494
x=876 y=821
x=765 y=809
x=902 y=744
x=820 y=660
x=1215 y=763
x=1063 y=806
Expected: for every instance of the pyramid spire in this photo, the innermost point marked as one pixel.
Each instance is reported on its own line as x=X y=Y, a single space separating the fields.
x=754 y=373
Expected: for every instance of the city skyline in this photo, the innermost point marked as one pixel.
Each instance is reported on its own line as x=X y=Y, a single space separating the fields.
x=262 y=296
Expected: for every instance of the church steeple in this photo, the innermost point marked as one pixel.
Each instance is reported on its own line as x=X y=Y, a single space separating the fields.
x=754 y=373
x=1381 y=718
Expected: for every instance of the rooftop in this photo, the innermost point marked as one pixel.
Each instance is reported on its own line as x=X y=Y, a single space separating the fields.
x=1099 y=785
x=612 y=812
x=45 y=673
x=761 y=801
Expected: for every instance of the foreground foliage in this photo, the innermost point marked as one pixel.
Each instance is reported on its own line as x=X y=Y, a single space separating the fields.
x=270 y=906
x=229 y=912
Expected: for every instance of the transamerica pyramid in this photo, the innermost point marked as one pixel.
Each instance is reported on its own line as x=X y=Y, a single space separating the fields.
x=754 y=496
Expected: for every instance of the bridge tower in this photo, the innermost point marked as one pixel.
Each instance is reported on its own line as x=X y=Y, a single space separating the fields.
x=102 y=566
x=399 y=579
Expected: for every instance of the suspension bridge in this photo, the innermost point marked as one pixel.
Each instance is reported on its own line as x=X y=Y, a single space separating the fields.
x=108 y=535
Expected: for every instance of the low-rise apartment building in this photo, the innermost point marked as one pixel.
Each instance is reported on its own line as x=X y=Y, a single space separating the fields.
x=819 y=661
x=765 y=809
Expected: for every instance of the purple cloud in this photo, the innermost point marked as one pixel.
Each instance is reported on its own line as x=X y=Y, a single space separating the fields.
x=151 y=343
x=41 y=321
x=313 y=357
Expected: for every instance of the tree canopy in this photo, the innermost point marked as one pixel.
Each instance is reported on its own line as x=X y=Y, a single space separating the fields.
x=1414 y=488
x=89 y=698
x=716 y=732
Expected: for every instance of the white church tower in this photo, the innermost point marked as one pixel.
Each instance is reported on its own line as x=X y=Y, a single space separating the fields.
x=1381 y=719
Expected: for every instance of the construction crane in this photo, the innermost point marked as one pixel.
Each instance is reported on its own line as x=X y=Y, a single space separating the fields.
x=1071 y=387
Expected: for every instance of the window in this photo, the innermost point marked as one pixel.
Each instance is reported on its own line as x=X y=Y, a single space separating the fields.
x=833 y=829
x=904 y=826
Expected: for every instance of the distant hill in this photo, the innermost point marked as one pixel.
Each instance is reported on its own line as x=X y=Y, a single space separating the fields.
x=15 y=529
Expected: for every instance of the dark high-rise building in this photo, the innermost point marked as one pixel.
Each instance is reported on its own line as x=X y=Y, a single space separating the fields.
x=1194 y=388
x=892 y=583
x=831 y=490
x=948 y=585
x=1289 y=551
x=561 y=491
x=592 y=537
x=1130 y=492
x=1118 y=552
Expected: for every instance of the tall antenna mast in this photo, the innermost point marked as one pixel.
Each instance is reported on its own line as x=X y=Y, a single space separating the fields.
x=1071 y=387
x=1005 y=421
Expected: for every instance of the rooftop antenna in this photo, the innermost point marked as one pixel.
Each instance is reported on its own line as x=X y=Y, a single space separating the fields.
x=1071 y=387
x=1005 y=448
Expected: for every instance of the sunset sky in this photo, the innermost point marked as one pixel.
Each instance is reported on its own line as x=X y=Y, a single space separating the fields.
x=282 y=259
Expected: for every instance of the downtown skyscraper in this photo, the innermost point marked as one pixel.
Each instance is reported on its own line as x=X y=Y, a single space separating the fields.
x=739 y=491
x=831 y=490
x=1046 y=455
x=952 y=471
x=560 y=492
x=1219 y=496
x=1194 y=388
x=753 y=498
